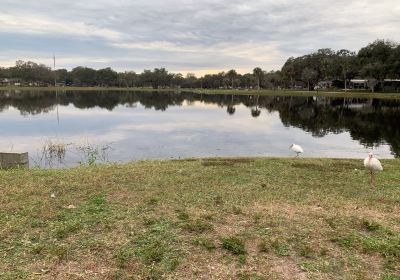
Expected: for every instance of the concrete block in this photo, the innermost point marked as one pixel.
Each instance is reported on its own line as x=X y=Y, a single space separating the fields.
x=12 y=160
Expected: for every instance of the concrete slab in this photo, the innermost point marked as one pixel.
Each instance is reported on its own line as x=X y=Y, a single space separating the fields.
x=12 y=160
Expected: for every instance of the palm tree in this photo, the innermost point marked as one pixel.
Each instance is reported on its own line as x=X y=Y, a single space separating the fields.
x=255 y=112
x=231 y=107
x=257 y=73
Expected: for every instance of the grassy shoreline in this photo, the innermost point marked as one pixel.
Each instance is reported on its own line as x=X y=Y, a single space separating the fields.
x=220 y=218
x=262 y=92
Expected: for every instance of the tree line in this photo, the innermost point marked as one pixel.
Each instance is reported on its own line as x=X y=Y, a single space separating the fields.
x=374 y=63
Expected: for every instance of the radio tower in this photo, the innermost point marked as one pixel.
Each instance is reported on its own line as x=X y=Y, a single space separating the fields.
x=54 y=69
x=55 y=85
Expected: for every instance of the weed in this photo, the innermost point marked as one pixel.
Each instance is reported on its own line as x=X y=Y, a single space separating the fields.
x=123 y=255
x=249 y=276
x=65 y=229
x=237 y=210
x=149 y=221
x=153 y=201
x=390 y=277
x=154 y=252
x=182 y=215
x=280 y=249
x=306 y=251
x=263 y=247
x=61 y=251
x=242 y=259
x=257 y=217
x=218 y=200
x=370 y=225
x=206 y=243
x=233 y=245
x=309 y=266
x=197 y=226
x=37 y=248
x=347 y=241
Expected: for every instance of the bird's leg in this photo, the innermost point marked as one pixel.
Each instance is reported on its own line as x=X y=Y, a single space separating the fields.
x=297 y=154
x=371 y=181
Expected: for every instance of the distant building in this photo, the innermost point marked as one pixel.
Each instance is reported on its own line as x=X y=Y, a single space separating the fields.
x=4 y=82
x=10 y=82
x=358 y=84
x=392 y=84
x=324 y=84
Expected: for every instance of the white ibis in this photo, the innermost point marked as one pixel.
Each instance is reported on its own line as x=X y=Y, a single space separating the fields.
x=372 y=165
x=297 y=149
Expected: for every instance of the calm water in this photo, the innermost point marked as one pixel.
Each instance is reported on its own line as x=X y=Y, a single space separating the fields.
x=120 y=127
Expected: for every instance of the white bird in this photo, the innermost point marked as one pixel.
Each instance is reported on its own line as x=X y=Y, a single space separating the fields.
x=53 y=195
x=372 y=165
x=297 y=149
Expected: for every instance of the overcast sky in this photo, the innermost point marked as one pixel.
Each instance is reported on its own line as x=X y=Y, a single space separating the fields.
x=188 y=35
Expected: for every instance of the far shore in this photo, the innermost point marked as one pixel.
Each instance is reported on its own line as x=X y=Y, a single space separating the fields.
x=263 y=92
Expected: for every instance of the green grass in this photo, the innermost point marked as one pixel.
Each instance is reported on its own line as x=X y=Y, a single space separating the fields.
x=262 y=92
x=228 y=218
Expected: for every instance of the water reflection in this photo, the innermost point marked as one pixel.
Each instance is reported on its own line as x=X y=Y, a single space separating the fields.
x=369 y=122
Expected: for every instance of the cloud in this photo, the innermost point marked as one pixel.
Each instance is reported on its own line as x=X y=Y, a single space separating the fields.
x=189 y=35
x=27 y=24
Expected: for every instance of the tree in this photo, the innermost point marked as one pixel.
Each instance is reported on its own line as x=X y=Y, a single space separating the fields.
x=273 y=79
x=190 y=80
x=107 y=77
x=145 y=78
x=230 y=109
x=31 y=72
x=288 y=70
x=178 y=80
x=4 y=72
x=247 y=80
x=348 y=63
x=309 y=76
x=394 y=63
x=61 y=76
x=84 y=76
x=128 y=79
x=258 y=74
x=231 y=75
x=375 y=59
x=371 y=82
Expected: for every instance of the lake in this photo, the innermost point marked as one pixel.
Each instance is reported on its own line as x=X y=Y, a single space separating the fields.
x=124 y=126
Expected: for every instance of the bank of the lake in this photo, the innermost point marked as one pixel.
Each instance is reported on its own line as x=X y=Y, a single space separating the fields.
x=261 y=92
x=232 y=218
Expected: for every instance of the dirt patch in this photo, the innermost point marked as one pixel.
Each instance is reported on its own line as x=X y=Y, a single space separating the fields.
x=225 y=161
x=310 y=166
x=287 y=269
x=185 y=159
x=329 y=166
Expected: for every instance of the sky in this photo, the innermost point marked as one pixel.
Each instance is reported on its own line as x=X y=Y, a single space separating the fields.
x=188 y=35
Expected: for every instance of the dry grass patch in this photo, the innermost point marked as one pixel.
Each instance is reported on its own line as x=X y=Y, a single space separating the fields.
x=230 y=218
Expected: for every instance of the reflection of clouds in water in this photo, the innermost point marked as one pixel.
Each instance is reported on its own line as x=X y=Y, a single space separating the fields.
x=189 y=131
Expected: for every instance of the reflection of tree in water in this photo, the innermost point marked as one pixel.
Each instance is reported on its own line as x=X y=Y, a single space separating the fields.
x=255 y=112
x=230 y=108
x=369 y=121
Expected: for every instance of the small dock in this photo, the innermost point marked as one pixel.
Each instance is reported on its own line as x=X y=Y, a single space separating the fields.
x=14 y=160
